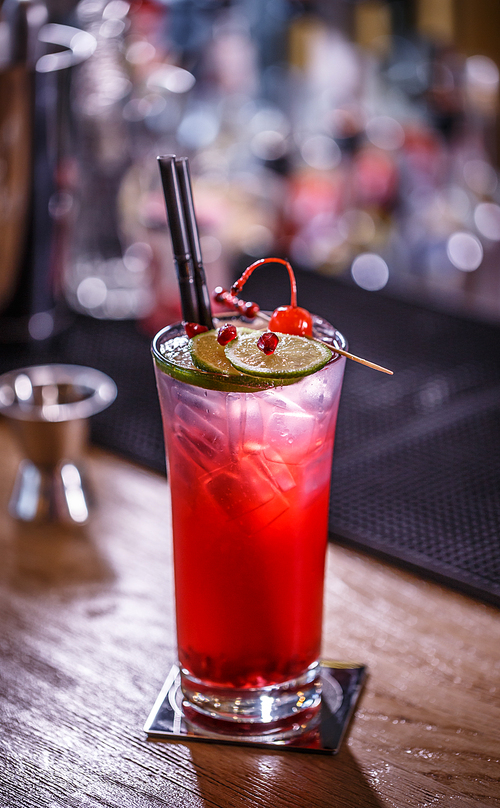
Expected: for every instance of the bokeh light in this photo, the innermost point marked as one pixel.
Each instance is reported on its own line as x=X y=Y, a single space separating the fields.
x=370 y=271
x=465 y=251
x=171 y=78
x=269 y=144
x=385 y=133
x=91 y=292
x=487 y=220
x=480 y=176
x=321 y=152
x=482 y=72
x=211 y=249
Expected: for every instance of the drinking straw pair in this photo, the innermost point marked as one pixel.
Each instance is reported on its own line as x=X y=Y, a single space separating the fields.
x=195 y=298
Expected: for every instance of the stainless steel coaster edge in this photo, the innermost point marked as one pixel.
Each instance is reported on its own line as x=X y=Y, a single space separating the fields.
x=342 y=685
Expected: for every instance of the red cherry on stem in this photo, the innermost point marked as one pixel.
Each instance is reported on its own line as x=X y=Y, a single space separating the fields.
x=226 y=333
x=192 y=329
x=292 y=320
x=268 y=342
x=287 y=319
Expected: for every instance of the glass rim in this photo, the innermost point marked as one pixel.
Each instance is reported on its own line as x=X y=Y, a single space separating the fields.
x=220 y=381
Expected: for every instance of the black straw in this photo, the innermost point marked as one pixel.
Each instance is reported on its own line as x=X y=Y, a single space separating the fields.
x=200 y=282
x=179 y=235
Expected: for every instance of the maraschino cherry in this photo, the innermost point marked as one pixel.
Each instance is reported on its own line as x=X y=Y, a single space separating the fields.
x=287 y=319
x=291 y=320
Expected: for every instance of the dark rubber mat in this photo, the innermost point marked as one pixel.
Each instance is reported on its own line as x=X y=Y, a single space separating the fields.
x=416 y=471
x=416 y=476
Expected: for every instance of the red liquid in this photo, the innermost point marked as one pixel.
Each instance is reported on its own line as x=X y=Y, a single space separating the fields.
x=249 y=602
x=250 y=483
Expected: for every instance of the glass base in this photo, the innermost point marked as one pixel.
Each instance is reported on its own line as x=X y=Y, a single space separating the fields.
x=276 y=711
x=320 y=728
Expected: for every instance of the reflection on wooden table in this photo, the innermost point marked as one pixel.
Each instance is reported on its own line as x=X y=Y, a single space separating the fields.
x=87 y=637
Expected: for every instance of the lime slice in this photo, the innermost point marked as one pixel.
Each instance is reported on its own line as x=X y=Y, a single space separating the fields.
x=201 y=361
x=174 y=357
x=207 y=354
x=294 y=356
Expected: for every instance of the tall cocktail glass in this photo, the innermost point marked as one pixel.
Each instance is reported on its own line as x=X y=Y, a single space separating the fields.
x=249 y=472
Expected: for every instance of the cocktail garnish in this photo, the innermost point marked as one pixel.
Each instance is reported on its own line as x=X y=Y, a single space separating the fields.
x=292 y=319
x=244 y=362
x=268 y=342
x=287 y=319
x=293 y=357
x=226 y=333
x=245 y=308
x=194 y=328
x=361 y=361
x=208 y=354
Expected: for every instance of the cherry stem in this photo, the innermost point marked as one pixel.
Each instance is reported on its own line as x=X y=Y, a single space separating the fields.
x=239 y=284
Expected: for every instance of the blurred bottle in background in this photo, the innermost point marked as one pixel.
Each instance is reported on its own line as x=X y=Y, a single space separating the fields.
x=353 y=138
x=37 y=167
x=108 y=272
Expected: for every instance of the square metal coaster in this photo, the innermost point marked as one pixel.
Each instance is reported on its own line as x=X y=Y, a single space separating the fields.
x=342 y=684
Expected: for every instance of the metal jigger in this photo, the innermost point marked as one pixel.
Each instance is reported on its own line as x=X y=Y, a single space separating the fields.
x=48 y=407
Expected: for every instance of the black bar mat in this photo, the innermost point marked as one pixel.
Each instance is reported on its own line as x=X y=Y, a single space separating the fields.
x=417 y=456
x=416 y=471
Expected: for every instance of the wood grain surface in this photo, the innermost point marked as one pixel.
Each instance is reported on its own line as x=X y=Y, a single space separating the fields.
x=87 y=638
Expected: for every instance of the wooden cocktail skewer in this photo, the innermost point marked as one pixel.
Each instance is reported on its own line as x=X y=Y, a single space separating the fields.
x=358 y=359
x=231 y=301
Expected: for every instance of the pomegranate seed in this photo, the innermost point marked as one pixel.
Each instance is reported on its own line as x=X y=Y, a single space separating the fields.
x=192 y=329
x=268 y=342
x=226 y=333
x=219 y=294
x=251 y=310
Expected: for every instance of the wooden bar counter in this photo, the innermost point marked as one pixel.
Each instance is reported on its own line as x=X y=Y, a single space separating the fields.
x=87 y=638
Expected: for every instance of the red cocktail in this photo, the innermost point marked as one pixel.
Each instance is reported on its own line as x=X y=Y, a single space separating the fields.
x=249 y=465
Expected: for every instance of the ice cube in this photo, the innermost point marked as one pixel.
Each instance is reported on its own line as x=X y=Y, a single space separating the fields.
x=208 y=402
x=240 y=487
x=280 y=473
x=316 y=474
x=201 y=428
x=253 y=432
x=280 y=401
x=244 y=424
x=319 y=395
x=235 y=421
x=247 y=493
x=289 y=437
x=191 y=396
x=191 y=453
x=199 y=437
x=263 y=516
